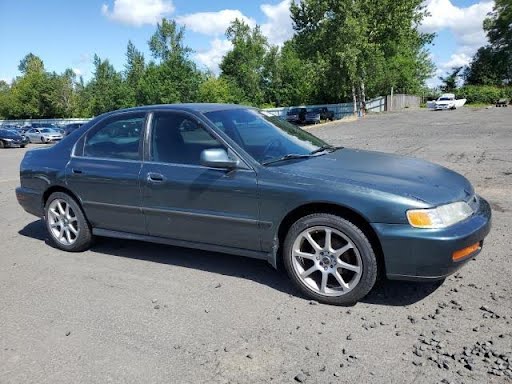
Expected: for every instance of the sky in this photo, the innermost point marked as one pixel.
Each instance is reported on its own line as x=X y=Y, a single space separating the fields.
x=67 y=33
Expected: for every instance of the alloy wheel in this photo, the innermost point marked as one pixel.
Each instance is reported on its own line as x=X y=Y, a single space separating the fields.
x=63 y=222
x=326 y=261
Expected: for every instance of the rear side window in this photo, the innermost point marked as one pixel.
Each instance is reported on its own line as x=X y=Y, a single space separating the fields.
x=117 y=138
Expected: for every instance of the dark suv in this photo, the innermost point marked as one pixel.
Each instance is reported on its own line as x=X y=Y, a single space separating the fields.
x=296 y=115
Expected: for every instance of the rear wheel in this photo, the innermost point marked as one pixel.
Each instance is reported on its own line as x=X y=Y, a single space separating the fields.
x=330 y=259
x=2 y=144
x=66 y=223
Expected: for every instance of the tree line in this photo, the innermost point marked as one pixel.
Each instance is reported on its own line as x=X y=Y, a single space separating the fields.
x=341 y=51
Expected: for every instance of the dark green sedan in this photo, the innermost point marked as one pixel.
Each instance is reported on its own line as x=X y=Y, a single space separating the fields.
x=232 y=179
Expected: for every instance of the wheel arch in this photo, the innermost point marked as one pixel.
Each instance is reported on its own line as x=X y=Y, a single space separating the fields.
x=330 y=208
x=60 y=188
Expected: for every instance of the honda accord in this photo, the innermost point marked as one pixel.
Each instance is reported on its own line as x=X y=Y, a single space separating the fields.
x=232 y=179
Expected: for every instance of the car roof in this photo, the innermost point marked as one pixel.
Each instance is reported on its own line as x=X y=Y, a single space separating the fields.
x=193 y=107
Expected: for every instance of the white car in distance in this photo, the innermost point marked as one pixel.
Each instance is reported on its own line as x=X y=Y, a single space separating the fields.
x=446 y=101
x=43 y=135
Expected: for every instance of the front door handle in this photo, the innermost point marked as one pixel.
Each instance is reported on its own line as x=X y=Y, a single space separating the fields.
x=76 y=171
x=155 y=177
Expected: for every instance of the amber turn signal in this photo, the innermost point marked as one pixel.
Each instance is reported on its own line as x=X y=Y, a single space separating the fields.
x=462 y=253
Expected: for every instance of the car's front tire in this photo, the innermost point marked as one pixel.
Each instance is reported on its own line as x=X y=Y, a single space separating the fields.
x=66 y=223
x=330 y=259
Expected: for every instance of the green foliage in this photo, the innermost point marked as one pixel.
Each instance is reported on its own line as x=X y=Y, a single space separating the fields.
x=369 y=45
x=492 y=64
x=486 y=68
x=450 y=81
x=486 y=94
x=216 y=90
x=243 y=65
x=106 y=91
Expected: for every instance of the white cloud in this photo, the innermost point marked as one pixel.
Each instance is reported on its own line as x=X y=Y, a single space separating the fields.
x=213 y=23
x=456 y=60
x=138 y=12
x=212 y=57
x=278 y=27
x=77 y=71
x=464 y=22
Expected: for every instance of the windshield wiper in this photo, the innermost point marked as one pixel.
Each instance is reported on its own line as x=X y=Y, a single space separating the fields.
x=290 y=156
x=325 y=148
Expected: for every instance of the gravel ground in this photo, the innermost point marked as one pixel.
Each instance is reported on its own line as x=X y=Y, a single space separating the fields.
x=132 y=312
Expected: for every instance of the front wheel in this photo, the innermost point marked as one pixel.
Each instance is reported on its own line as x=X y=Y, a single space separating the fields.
x=66 y=223
x=330 y=259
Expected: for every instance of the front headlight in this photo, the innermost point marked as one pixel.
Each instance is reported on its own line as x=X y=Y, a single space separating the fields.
x=440 y=217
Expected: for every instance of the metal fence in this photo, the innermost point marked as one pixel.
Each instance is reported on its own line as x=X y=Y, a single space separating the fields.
x=58 y=122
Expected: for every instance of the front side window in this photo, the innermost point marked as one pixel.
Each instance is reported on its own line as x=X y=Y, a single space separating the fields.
x=117 y=138
x=179 y=139
x=264 y=137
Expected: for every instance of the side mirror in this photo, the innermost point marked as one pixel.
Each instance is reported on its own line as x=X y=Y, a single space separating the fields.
x=217 y=158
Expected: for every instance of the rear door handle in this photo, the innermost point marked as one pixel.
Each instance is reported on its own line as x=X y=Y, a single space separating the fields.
x=155 y=177
x=76 y=171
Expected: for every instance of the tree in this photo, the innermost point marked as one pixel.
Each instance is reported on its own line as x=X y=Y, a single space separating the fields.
x=486 y=68
x=216 y=90
x=134 y=72
x=499 y=32
x=243 y=65
x=450 y=81
x=174 y=77
x=31 y=63
x=357 y=45
x=492 y=64
x=106 y=90
x=30 y=92
x=167 y=42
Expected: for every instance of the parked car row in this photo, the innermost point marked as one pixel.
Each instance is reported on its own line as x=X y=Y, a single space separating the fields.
x=304 y=115
x=18 y=136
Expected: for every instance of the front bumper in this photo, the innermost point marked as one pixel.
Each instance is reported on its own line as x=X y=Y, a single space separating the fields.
x=13 y=144
x=426 y=254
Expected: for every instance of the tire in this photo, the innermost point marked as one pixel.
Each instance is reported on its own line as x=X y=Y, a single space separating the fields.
x=2 y=145
x=352 y=284
x=42 y=140
x=22 y=146
x=77 y=240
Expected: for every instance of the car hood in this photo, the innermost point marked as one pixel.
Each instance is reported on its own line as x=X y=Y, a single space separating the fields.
x=399 y=175
x=11 y=137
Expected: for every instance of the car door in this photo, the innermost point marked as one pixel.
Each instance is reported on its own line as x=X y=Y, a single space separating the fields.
x=34 y=135
x=104 y=173
x=184 y=200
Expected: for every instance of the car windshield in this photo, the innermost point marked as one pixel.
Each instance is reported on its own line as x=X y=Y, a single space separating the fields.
x=47 y=130
x=445 y=98
x=264 y=137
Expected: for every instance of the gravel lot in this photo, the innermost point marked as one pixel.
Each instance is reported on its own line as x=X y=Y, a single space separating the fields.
x=132 y=312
